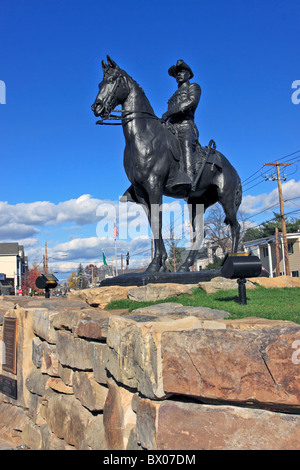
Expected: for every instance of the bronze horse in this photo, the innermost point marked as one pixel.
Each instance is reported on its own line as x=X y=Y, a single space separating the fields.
x=151 y=164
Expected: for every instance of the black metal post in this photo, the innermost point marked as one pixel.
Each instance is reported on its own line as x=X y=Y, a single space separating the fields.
x=242 y=291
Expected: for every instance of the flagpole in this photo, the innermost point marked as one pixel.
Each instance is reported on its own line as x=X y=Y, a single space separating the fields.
x=116 y=256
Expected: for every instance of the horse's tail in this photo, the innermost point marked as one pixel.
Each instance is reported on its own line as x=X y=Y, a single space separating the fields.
x=238 y=195
x=237 y=198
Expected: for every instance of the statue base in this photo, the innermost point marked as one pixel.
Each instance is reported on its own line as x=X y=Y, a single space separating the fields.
x=141 y=279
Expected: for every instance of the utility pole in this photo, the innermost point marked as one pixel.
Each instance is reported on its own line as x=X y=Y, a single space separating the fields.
x=46 y=259
x=285 y=243
x=277 y=252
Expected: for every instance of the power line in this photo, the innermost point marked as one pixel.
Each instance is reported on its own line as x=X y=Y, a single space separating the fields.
x=259 y=170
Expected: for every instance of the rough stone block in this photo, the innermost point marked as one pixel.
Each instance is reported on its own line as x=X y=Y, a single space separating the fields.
x=98 y=353
x=43 y=324
x=73 y=352
x=119 y=418
x=100 y=296
x=134 y=354
x=69 y=420
x=49 y=363
x=175 y=425
x=36 y=382
x=90 y=393
x=154 y=292
x=247 y=361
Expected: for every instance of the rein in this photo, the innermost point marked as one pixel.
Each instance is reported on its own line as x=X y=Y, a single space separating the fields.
x=124 y=117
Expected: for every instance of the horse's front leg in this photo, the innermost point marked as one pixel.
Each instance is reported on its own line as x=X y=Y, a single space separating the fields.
x=155 y=220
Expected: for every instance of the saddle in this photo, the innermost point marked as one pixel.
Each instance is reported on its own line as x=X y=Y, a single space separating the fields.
x=203 y=155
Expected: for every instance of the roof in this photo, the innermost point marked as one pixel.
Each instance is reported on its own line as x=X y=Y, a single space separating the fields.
x=271 y=239
x=9 y=248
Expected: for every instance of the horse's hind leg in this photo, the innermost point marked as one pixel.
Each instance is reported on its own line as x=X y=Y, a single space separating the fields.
x=197 y=221
x=230 y=209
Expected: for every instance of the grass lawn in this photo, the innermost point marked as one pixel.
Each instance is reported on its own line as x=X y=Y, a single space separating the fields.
x=275 y=304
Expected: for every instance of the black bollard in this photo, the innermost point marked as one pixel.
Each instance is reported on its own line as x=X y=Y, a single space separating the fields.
x=242 y=291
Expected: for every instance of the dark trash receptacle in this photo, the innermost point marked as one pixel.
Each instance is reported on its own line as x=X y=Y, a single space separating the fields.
x=237 y=266
x=241 y=266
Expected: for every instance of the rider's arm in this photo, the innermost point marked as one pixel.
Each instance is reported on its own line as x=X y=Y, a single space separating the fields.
x=190 y=103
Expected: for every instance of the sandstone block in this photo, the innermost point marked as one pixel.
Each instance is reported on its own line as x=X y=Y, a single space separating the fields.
x=175 y=425
x=154 y=292
x=49 y=363
x=119 y=418
x=36 y=382
x=91 y=329
x=134 y=352
x=221 y=283
x=32 y=437
x=277 y=282
x=43 y=324
x=90 y=393
x=37 y=352
x=172 y=310
x=248 y=361
x=69 y=420
x=66 y=374
x=98 y=353
x=73 y=352
x=55 y=383
x=100 y=296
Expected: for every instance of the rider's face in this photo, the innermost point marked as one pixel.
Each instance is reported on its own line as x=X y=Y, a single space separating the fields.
x=182 y=76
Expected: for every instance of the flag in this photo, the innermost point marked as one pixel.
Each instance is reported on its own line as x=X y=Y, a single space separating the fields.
x=104 y=258
x=116 y=233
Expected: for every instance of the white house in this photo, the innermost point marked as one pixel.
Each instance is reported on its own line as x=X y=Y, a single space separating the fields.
x=13 y=263
x=265 y=249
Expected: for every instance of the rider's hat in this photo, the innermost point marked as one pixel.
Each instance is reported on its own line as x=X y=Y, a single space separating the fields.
x=180 y=65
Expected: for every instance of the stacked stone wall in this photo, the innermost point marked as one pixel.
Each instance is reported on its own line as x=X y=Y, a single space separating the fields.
x=160 y=378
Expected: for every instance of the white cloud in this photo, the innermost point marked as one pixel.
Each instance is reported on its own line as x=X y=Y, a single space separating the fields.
x=268 y=202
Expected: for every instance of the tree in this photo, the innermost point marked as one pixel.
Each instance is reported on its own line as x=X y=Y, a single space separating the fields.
x=28 y=281
x=174 y=259
x=73 y=280
x=92 y=272
x=216 y=230
x=81 y=277
x=267 y=229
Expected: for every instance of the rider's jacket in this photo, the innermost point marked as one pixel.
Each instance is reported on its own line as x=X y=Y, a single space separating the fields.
x=182 y=105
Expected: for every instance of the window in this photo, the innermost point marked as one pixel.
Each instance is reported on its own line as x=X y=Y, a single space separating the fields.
x=295 y=273
x=291 y=248
x=265 y=252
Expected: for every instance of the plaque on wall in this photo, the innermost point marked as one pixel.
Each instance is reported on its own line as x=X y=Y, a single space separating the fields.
x=8 y=386
x=10 y=344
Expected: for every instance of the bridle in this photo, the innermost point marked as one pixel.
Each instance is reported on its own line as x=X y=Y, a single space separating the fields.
x=125 y=118
x=126 y=115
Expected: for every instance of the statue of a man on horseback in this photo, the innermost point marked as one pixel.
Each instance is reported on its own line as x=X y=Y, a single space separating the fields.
x=152 y=160
x=180 y=115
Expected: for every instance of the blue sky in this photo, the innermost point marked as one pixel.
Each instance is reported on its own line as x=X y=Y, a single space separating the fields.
x=58 y=167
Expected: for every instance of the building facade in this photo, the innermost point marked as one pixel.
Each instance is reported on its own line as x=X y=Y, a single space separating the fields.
x=265 y=249
x=13 y=264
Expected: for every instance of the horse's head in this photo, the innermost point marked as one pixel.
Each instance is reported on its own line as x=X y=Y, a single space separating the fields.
x=113 y=89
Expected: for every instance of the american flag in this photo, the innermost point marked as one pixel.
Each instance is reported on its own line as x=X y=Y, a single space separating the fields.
x=116 y=233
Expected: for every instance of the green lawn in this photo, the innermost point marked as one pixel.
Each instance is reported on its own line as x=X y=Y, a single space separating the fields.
x=275 y=304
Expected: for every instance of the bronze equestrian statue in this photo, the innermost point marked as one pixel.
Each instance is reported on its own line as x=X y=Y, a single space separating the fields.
x=180 y=114
x=163 y=156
